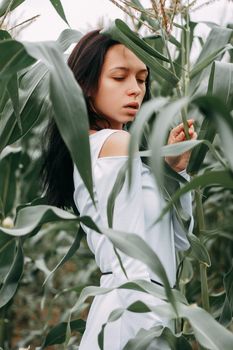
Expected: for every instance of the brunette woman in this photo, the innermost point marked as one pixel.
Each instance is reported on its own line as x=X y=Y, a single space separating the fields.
x=115 y=83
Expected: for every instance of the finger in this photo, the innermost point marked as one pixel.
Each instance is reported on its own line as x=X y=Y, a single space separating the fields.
x=191 y=130
x=194 y=136
x=180 y=127
x=180 y=136
x=190 y=122
x=177 y=130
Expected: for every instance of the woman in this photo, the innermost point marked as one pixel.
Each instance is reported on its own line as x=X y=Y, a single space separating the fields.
x=115 y=83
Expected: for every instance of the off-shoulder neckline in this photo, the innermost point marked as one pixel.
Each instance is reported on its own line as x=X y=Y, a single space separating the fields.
x=96 y=133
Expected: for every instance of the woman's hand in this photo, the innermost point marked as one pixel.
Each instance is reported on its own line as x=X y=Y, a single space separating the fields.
x=177 y=134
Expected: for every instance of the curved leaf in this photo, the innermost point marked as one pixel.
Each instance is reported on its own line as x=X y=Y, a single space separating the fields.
x=30 y=219
x=8 y=169
x=33 y=102
x=4 y=35
x=135 y=247
x=215 y=45
x=199 y=251
x=11 y=282
x=137 y=40
x=138 y=285
x=144 y=338
x=159 y=134
x=6 y=258
x=200 y=66
x=136 y=131
x=57 y=334
x=13 y=58
x=207 y=132
x=227 y=310
x=4 y=5
x=114 y=193
x=214 y=109
x=208 y=332
x=219 y=178
x=115 y=31
x=70 y=108
x=58 y=7
x=68 y=37
x=72 y=250
x=221 y=82
x=13 y=91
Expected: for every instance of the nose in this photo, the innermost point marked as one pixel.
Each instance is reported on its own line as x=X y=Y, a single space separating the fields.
x=133 y=88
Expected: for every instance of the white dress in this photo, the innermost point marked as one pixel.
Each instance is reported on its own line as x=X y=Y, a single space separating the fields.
x=134 y=213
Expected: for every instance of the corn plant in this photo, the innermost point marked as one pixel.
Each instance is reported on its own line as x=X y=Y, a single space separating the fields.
x=33 y=78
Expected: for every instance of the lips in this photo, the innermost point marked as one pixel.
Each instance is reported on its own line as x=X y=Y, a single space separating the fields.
x=133 y=105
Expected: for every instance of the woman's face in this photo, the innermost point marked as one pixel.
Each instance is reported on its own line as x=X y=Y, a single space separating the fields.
x=121 y=86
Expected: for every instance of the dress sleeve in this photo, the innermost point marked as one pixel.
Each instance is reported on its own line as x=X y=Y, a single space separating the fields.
x=128 y=211
x=180 y=237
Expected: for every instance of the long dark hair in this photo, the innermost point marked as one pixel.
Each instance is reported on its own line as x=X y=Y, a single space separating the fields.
x=86 y=61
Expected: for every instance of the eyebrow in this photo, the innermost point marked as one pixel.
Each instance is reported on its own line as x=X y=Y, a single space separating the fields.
x=127 y=69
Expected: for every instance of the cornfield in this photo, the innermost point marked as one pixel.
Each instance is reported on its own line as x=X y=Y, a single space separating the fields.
x=46 y=269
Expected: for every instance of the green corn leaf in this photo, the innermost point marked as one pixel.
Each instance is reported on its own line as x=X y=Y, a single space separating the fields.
x=4 y=35
x=6 y=258
x=8 y=169
x=153 y=23
x=57 y=334
x=114 y=193
x=199 y=251
x=215 y=110
x=136 y=131
x=114 y=316
x=207 y=132
x=34 y=101
x=68 y=37
x=208 y=332
x=30 y=219
x=221 y=82
x=144 y=338
x=5 y=241
x=217 y=118
x=206 y=61
x=59 y=8
x=215 y=45
x=72 y=250
x=159 y=133
x=228 y=284
x=138 y=41
x=70 y=109
x=227 y=310
x=9 y=5
x=226 y=314
x=11 y=282
x=209 y=178
x=122 y=35
x=75 y=132
x=135 y=247
x=137 y=285
x=13 y=58
x=13 y=91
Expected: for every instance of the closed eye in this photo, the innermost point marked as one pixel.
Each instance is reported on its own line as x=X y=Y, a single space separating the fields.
x=118 y=78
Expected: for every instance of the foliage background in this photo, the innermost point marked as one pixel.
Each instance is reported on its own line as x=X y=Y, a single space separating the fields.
x=35 y=308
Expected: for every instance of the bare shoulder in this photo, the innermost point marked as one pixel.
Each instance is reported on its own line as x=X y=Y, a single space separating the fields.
x=116 y=144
